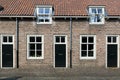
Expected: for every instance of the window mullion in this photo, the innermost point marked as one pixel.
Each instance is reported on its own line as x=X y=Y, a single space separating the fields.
x=35 y=46
x=111 y=39
x=87 y=50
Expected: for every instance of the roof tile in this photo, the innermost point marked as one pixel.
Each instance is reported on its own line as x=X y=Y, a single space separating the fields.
x=61 y=7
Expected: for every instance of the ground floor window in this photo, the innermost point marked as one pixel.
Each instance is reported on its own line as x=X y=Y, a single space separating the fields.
x=87 y=47
x=35 y=47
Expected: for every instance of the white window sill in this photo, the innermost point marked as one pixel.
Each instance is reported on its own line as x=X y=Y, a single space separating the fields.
x=35 y=58
x=96 y=23
x=87 y=58
x=44 y=23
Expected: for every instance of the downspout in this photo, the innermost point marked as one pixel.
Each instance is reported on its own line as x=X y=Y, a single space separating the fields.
x=70 y=42
x=17 y=43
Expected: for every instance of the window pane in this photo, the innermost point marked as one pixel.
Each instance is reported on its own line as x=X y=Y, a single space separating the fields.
x=90 y=40
x=47 y=20
x=92 y=19
x=99 y=18
x=84 y=46
x=114 y=39
x=95 y=18
x=41 y=20
x=38 y=39
x=41 y=10
x=84 y=39
x=84 y=53
x=109 y=39
x=32 y=46
x=32 y=54
x=57 y=39
x=47 y=10
x=90 y=53
x=32 y=39
x=94 y=10
x=100 y=10
x=5 y=39
x=38 y=53
x=62 y=39
x=10 y=39
x=90 y=46
x=39 y=46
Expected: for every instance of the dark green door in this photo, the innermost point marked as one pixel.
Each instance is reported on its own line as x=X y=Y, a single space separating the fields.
x=7 y=55
x=60 y=55
x=112 y=55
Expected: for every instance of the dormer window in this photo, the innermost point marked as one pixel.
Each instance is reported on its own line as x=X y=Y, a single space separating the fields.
x=96 y=15
x=44 y=14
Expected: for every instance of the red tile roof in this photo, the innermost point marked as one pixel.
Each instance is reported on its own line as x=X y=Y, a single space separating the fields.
x=61 y=7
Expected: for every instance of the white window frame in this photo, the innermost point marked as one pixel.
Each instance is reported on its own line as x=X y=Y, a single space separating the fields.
x=28 y=37
x=94 y=51
x=94 y=15
x=44 y=14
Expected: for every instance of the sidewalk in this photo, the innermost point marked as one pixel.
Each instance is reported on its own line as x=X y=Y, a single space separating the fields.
x=60 y=74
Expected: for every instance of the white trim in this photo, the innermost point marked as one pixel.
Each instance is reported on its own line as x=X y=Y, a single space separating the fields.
x=43 y=6
x=117 y=36
x=97 y=6
x=88 y=58
x=12 y=43
x=66 y=50
x=42 y=36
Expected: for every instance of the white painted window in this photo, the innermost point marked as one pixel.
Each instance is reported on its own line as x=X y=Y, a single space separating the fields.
x=97 y=15
x=35 y=47
x=112 y=39
x=87 y=47
x=60 y=39
x=7 y=39
x=44 y=15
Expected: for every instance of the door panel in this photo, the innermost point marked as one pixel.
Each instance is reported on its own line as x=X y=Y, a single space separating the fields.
x=112 y=55
x=7 y=55
x=60 y=55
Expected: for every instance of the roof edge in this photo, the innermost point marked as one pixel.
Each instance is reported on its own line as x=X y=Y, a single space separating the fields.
x=57 y=16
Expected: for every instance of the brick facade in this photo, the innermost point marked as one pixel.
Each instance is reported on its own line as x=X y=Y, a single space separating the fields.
x=60 y=27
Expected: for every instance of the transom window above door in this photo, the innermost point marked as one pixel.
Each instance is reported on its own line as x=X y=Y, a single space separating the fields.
x=35 y=47
x=87 y=47
x=60 y=39
x=7 y=39
x=112 y=39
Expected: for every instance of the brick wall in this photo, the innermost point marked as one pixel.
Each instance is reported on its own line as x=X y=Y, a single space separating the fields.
x=61 y=27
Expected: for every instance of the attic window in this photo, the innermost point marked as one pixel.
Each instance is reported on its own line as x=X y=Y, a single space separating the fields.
x=96 y=15
x=44 y=15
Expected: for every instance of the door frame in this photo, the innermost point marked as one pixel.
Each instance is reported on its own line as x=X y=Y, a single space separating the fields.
x=12 y=43
x=54 y=50
x=117 y=43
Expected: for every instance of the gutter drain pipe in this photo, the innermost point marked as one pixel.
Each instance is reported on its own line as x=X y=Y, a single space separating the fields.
x=70 y=42
x=17 y=42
